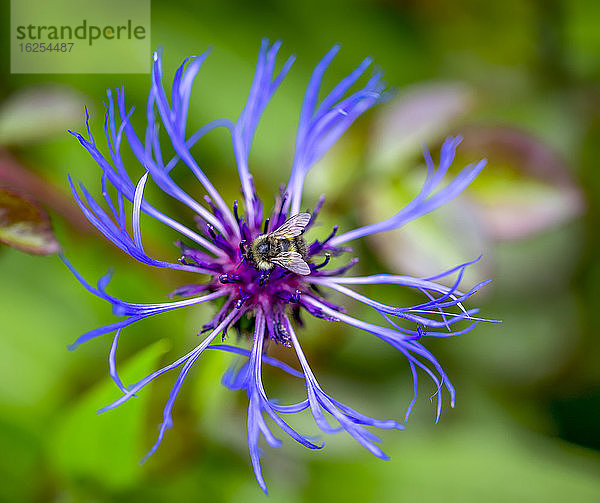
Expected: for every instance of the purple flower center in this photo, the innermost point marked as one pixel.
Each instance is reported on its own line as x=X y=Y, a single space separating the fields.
x=246 y=286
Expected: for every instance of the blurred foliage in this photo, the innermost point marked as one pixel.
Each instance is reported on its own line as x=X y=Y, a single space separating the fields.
x=25 y=226
x=526 y=423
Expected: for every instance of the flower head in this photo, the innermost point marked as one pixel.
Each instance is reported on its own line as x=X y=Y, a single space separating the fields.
x=271 y=296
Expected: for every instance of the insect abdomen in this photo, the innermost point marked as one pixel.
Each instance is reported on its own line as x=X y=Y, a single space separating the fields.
x=300 y=246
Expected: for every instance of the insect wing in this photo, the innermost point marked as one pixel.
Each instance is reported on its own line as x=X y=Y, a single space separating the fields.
x=292 y=261
x=292 y=227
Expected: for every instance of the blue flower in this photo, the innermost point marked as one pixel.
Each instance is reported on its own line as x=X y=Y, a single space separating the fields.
x=215 y=252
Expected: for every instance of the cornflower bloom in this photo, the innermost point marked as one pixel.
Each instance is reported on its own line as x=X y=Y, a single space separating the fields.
x=216 y=250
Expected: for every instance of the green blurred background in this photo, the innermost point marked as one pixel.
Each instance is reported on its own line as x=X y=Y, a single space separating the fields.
x=518 y=79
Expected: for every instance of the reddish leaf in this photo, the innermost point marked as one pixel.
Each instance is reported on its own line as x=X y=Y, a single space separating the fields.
x=24 y=225
x=526 y=187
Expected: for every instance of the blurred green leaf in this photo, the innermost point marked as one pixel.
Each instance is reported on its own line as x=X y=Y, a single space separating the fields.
x=462 y=463
x=106 y=448
x=24 y=448
x=25 y=226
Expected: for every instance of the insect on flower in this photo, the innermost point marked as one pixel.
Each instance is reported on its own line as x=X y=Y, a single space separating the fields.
x=284 y=247
x=259 y=263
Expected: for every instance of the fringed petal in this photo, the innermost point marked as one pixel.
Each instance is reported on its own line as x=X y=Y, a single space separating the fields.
x=321 y=126
x=426 y=201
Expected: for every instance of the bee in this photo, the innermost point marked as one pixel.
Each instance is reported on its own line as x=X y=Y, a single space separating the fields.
x=284 y=247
